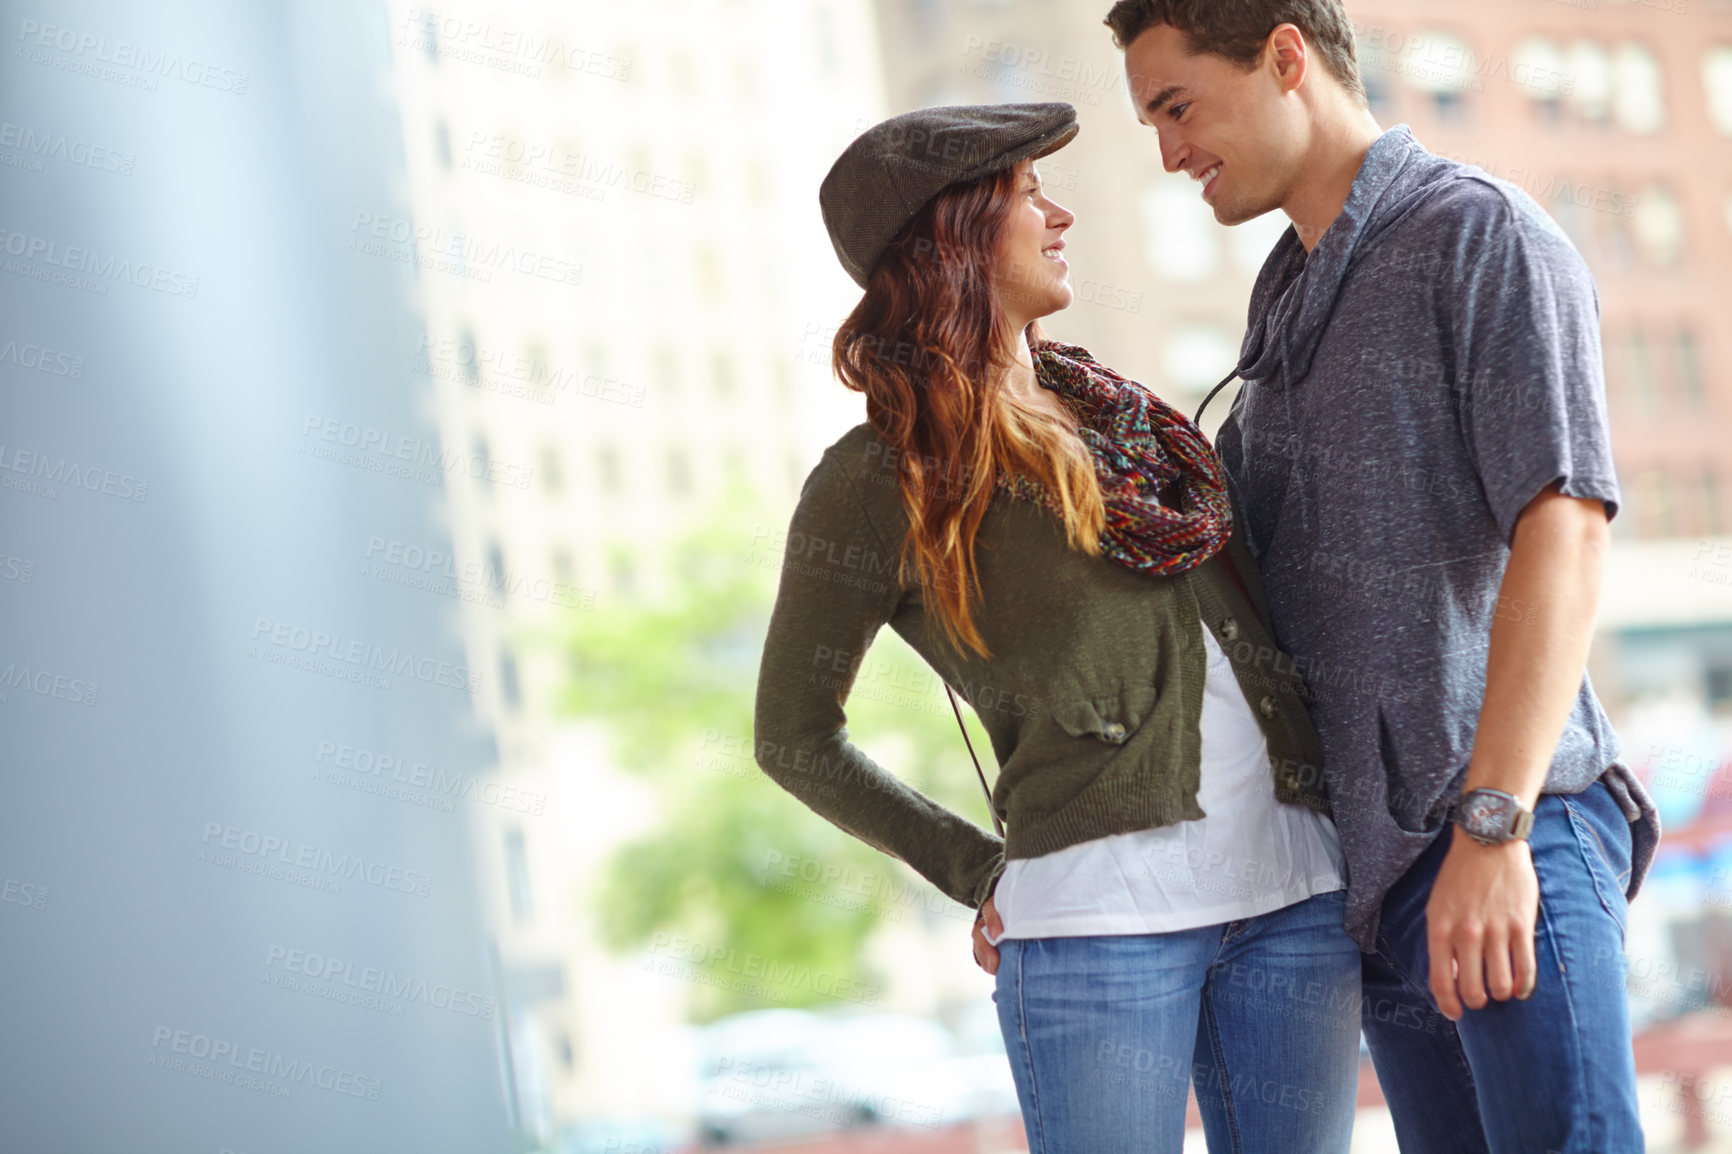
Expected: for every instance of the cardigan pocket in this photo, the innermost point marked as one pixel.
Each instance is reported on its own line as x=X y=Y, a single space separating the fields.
x=1109 y=718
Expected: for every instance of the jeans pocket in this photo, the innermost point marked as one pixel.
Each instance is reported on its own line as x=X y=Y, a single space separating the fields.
x=1605 y=849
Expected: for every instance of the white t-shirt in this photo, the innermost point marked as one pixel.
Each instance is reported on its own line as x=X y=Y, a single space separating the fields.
x=1249 y=855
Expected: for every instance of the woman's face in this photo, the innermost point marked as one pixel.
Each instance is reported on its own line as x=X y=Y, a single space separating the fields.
x=1032 y=278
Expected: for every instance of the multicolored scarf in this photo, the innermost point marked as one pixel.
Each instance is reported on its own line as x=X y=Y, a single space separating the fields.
x=1142 y=448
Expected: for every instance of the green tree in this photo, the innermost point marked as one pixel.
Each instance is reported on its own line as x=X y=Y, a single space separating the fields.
x=672 y=678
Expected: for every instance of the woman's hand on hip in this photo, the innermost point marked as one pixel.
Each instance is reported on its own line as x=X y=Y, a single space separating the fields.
x=985 y=953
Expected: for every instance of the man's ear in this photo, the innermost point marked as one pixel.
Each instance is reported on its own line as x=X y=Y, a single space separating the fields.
x=1287 y=55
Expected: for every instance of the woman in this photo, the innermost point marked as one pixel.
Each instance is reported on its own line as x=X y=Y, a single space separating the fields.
x=1060 y=546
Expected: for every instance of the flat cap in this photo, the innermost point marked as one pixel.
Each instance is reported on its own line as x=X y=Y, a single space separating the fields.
x=893 y=168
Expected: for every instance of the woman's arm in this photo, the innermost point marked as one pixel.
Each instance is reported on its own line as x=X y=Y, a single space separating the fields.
x=838 y=587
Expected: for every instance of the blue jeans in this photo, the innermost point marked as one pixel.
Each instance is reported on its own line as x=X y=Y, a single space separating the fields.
x=1105 y=1033
x=1554 y=1073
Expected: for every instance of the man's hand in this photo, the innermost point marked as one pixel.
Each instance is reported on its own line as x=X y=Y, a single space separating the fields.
x=985 y=953
x=1479 y=924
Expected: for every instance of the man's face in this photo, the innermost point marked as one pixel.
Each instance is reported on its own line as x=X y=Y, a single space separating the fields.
x=1235 y=131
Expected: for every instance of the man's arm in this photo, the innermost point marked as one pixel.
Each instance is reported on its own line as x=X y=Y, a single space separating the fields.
x=1484 y=903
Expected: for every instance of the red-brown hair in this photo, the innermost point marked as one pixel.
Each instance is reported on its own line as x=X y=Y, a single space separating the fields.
x=927 y=344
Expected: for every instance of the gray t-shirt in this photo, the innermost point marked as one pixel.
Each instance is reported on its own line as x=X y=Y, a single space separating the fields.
x=1412 y=384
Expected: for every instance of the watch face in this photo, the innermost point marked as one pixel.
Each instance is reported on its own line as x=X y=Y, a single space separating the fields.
x=1483 y=816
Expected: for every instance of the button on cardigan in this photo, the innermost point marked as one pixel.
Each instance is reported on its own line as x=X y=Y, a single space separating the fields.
x=1091 y=699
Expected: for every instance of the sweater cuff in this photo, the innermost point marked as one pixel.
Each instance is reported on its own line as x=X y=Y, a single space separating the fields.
x=984 y=889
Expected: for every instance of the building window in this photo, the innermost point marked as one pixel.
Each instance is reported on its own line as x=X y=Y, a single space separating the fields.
x=1449 y=105
x=1443 y=66
x=430 y=37
x=697 y=171
x=442 y=144
x=1638 y=103
x=624 y=575
x=481 y=460
x=1379 y=94
x=1640 y=365
x=1196 y=356
x=563 y=571
x=1182 y=242
x=708 y=268
x=607 y=464
x=1687 y=366
x=679 y=472
x=1713 y=516
x=722 y=374
x=1659 y=227
x=1717 y=82
x=1654 y=497
x=758 y=183
x=468 y=357
x=508 y=688
x=551 y=476
x=667 y=372
x=1591 y=95
x=1538 y=68
x=1251 y=242
x=517 y=876
x=494 y=573
x=685 y=75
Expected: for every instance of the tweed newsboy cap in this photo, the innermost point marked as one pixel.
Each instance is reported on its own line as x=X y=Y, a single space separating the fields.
x=893 y=168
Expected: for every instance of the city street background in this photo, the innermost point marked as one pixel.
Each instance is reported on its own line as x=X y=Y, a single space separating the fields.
x=401 y=411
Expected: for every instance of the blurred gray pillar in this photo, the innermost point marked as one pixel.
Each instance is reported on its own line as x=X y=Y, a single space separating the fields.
x=215 y=935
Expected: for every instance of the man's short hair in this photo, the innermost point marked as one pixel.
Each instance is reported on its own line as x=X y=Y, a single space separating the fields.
x=1238 y=29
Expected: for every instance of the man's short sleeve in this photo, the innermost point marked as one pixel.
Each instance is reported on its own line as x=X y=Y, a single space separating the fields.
x=1525 y=330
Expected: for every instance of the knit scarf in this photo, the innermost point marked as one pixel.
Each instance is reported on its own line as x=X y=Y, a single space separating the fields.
x=1141 y=446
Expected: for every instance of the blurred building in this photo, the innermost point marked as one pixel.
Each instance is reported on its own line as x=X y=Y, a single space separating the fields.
x=626 y=284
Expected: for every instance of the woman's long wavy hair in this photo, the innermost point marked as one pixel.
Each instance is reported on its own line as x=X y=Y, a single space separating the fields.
x=928 y=344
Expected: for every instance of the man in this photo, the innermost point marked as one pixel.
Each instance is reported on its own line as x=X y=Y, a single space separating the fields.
x=1423 y=455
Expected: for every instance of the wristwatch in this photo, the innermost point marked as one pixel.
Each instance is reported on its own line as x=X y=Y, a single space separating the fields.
x=1492 y=817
